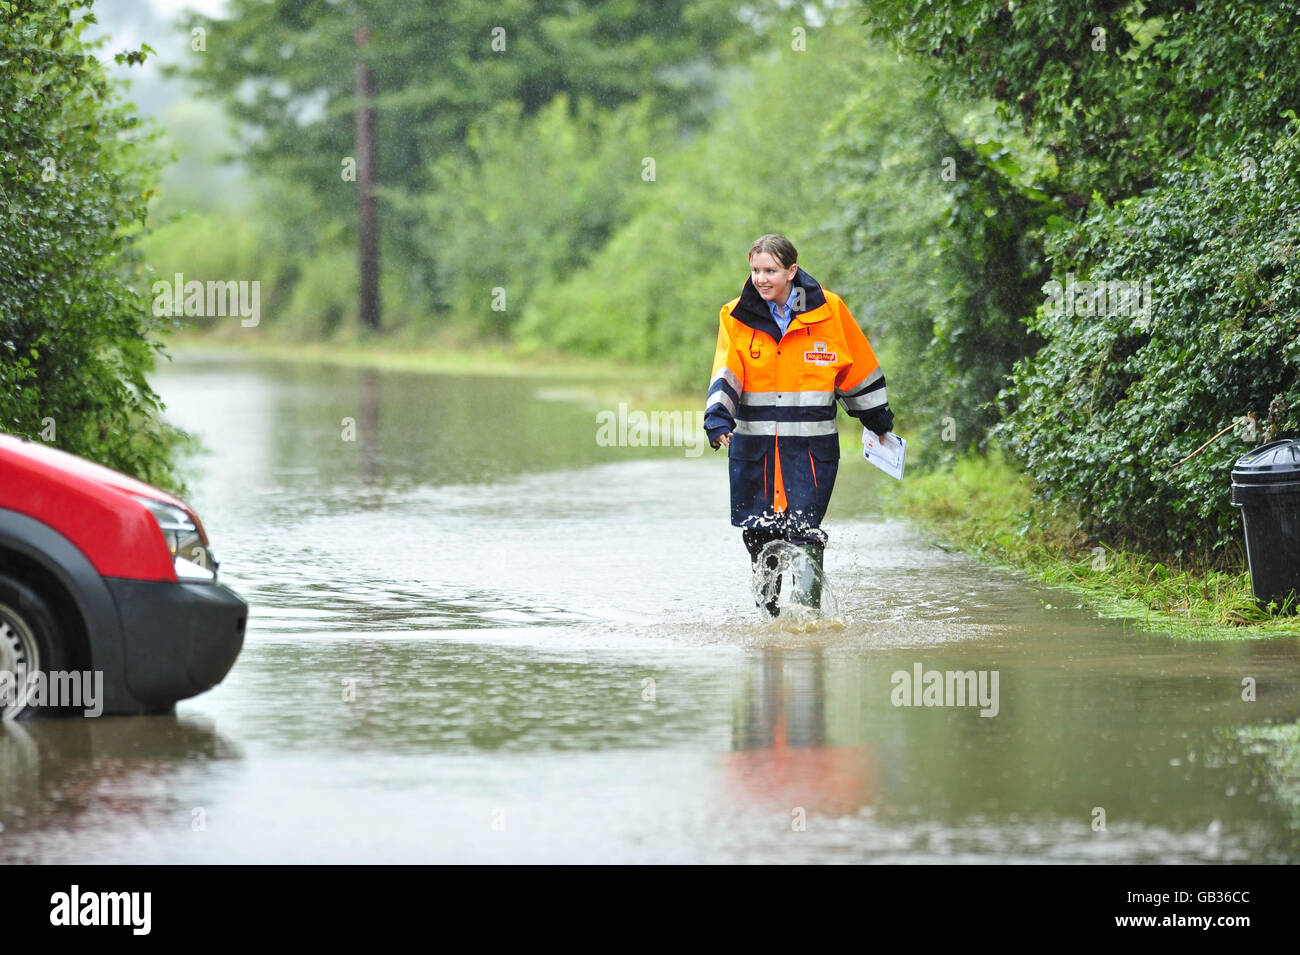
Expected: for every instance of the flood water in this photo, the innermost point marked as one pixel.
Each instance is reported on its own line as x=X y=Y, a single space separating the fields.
x=477 y=635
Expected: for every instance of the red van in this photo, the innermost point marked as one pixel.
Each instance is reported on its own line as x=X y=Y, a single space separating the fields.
x=104 y=575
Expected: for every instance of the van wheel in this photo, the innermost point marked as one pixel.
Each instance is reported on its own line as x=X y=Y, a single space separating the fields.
x=29 y=641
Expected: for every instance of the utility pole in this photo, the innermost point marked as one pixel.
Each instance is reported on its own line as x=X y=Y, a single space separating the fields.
x=367 y=213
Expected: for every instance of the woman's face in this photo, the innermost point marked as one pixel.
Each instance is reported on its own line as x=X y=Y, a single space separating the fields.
x=771 y=278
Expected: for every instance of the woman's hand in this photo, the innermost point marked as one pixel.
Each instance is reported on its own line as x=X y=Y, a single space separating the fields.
x=879 y=420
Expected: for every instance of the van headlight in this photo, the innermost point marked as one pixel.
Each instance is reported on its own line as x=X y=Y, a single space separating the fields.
x=191 y=554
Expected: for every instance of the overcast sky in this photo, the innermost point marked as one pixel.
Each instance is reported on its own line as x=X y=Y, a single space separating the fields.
x=162 y=24
x=131 y=22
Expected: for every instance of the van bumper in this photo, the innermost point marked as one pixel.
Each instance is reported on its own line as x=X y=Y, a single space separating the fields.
x=179 y=638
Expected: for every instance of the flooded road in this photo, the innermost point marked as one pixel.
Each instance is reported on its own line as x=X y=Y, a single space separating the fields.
x=477 y=635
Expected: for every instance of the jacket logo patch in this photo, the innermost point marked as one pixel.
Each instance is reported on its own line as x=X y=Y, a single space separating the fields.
x=819 y=354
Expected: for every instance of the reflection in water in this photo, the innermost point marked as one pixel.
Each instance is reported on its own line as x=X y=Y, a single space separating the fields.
x=781 y=754
x=817 y=729
x=87 y=781
x=369 y=435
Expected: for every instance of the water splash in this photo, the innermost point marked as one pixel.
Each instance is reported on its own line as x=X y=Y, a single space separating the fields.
x=787 y=578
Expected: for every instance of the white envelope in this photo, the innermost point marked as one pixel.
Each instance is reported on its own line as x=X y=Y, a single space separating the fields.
x=887 y=453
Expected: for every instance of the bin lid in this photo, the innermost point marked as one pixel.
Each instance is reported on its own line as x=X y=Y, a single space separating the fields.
x=1270 y=463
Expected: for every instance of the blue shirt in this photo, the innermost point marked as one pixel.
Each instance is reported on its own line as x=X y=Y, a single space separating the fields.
x=782 y=314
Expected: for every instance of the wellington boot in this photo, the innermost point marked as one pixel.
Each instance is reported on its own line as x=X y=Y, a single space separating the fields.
x=808 y=576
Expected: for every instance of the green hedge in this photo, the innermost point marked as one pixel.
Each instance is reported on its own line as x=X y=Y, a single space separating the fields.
x=1112 y=403
x=76 y=174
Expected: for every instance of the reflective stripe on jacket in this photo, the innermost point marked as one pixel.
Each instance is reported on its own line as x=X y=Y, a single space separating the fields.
x=777 y=394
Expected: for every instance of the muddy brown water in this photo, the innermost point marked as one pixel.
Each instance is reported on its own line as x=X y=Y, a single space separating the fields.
x=478 y=635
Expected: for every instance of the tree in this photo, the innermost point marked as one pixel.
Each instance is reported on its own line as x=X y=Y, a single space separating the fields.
x=1110 y=412
x=76 y=173
x=1158 y=116
x=284 y=70
x=1116 y=90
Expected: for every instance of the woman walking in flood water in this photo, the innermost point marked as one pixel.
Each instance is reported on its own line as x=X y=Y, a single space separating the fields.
x=787 y=349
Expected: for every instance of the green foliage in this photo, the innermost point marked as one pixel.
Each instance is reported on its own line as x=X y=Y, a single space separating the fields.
x=994 y=248
x=285 y=70
x=325 y=295
x=881 y=163
x=653 y=291
x=1112 y=403
x=943 y=224
x=256 y=241
x=1115 y=90
x=75 y=179
x=1151 y=113
x=529 y=200
x=206 y=246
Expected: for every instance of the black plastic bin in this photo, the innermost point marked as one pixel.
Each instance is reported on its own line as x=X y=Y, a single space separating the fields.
x=1266 y=486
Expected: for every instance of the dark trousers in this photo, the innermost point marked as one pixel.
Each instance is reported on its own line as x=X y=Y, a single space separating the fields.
x=778 y=528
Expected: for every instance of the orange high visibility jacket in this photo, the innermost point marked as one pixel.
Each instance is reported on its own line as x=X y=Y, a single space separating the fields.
x=777 y=394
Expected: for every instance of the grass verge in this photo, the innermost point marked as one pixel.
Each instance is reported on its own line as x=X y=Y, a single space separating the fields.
x=985 y=506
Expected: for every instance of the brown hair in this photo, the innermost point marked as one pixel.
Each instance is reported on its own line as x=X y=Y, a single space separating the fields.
x=776 y=245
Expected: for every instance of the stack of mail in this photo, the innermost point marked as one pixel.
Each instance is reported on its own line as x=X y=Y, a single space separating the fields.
x=886 y=453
